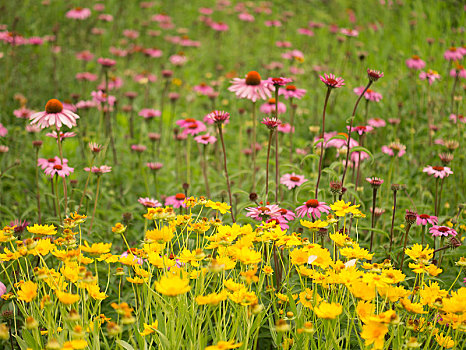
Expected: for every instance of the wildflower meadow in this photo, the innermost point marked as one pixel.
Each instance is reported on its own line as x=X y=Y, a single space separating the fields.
x=222 y=174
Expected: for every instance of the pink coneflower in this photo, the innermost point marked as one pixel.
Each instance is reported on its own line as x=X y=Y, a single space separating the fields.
x=438 y=171
x=293 y=55
x=357 y=157
x=269 y=107
x=23 y=113
x=362 y=129
x=145 y=78
x=349 y=32
x=277 y=82
x=106 y=62
x=270 y=211
x=35 y=40
x=430 y=75
x=312 y=208
x=85 y=56
x=63 y=135
x=148 y=113
x=99 y=170
x=219 y=116
x=3 y=130
x=101 y=97
x=252 y=87
x=415 y=62
x=219 y=26
x=455 y=118
x=113 y=83
x=178 y=60
x=138 y=148
x=273 y=23
x=79 y=13
x=153 y=52
x=331 y=81
x=458 y=72
x=54 y=115
x=292 y=92
x=131 y=33
x=203 y=89
x=86 y=76
x=424 y=219
x=205 y=139
x=374 y=181
x=285 y=128
x=59 y=168
x=94 y=147
x=191 y=126
x=20 y=226
x=149 y=202
x=376 y=122
x=394 y=149
x=271 y=122
x=49 y=162
x=4 y=149
x=176 y=201
x=292 y=180
x=32 y=128
x=453 y=54
x=370 y=94
x=105 y=17
x=305 y=31
x=438 y=231
x=2 y=289
x=206 y=11
x=115 y=51
x=154 y=166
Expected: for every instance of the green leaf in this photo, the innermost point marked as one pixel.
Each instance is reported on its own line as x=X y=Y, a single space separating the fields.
x=362 y=149
x=124 y=344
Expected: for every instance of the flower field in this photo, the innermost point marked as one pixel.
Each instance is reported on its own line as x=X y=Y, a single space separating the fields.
x=219 y=174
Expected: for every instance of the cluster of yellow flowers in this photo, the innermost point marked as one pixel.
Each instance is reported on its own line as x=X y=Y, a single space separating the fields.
x=299 y=284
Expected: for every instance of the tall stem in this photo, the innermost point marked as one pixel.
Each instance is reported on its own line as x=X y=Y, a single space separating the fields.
x=253 y=154
x=350 y=130
x=436 y=196
x=267 y=166
x=408 y=227
x=57 y=198
x=276 y=146
x=322 y=141
x=95 y=202
x=293 y=111
x=65 y=192
x=204 y=170
x=220 y=132
x=374 y=199
x=393 y=220
x=37 y=187
x=86 y=184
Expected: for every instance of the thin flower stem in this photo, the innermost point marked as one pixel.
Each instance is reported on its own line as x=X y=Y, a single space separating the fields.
x=95 y=202
x=65 y=191
x=37 y=187
x=86 y=184
x=436 y=196
x=188 y=159
x=292 y=114
x=322 y=142
x=276 y=147
x=349 y=132
x=440 y=196
x=204 y=170
x=408 y=227
x=253 y=154
x=267 y=166
x=57 y=198
x=393 y=221
x=220 y=132
x=374 y=199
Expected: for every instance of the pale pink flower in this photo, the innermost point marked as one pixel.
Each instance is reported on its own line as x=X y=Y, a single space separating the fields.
x=219 y=26
x=176 y=201
x=455 y=118
x=394 y=149
x=63 y=135
x=430 y=75
x=105 y=17
x=270 y=211
x=283 y=44
x=2 y=289
x=203 y=89
x=3 y=130
x=376 y=122
x=178 y=60
x=79 y=13
x=415 y=62
x=138 y=148
x=23 y=113
x=453 y=54
x=293 y=54
x=313 y=209
x=246 y=17
x=439 y=231
x=58 y=168
x=99 y=170
x=271 y=123
x=154 y=166
x=349 y=32
x=459 y=72
x=424 y=219
x=292 y=92
x=149 y=202
x=370 y=94
x=32 y=128
x=86 y=76
x=438 y=171
x=148 y=113
x=153 y=52
x=131 y=34
x=305 y=31
x=85 y=56
x=269 y=107
x=4 y=149
x=205 y=139
x=251 y=87
x=54 y=115
x=285 y=128
x=106 y=62
x=274 y=23
x=292 y=180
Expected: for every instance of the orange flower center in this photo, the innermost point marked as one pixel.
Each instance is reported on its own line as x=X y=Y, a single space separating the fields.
x=180 y=196
x=294 y=178
x=416 y=57
x=253 y=78
x=369 y=90
x=53 y=106
x=190 y=120
x=291 y=88
x=452 y=49
x=78 y=9
x=271 y=101
x=57 y=167
x=312 y=203
x=438 y=168
x=443 y=229
x=51 y=160
x=424 y=216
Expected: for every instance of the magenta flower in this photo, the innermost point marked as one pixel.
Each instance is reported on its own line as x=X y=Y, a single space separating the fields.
x=455 y=118
x=349 y=32
x=430 y=75
x=84 y=56
x=251 y=87
x=273 y=23
x=374 y=75
x=374 y=181
x=78 y=13
x=219 y=116
x=376 y=122
x=149 y=113
x=424 y=219
x=59 y=168
x=415 y=62
x=312 y=208
x=138 y=148
x=23 y=113
x=279 y=81
x=219 y=26
x=459 y=72
x=149 y=202
x=154 y=166
x=361 y=129
x=331 y=81
x=271 y=122
x=63 y=135
x=292 y=92
x=246 y=17
x=285 y=128
x=438 y=231
x=106 y=62
x=453 y=54
x=438 y=171
x=292 y=180
x=305 y=31
x=205 y=139
x=270 y=211
x=2 y=289
x=99 y=170
x=176 y=201
x=269 y=107
x=394 y=149
x=86 y=76
x=178 y=60
x=54 y=115
x=3 y=130
x=370 y=95
x=203 y=89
